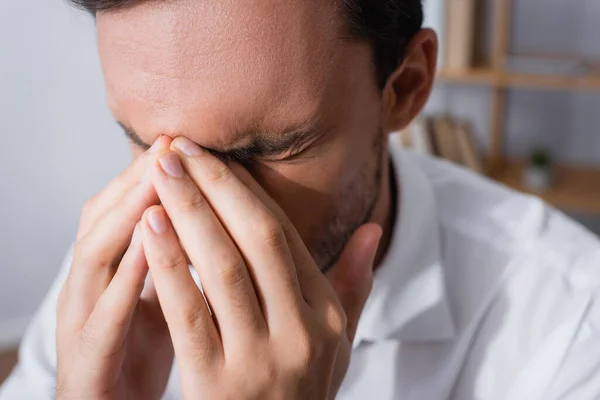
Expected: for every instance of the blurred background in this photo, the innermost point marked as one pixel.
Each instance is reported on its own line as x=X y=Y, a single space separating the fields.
x=59 y=147
x=517 y=98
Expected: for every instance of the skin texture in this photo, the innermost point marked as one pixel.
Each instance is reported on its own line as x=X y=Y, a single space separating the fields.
x=276 y=327
x=223 y=74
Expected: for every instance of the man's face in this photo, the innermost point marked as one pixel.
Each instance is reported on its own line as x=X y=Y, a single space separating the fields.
x=274 y=84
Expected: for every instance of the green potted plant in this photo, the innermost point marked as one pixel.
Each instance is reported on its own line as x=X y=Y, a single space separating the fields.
x=538 y=173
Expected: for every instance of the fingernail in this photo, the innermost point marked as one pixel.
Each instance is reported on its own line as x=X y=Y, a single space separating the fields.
x=187 y=147
x=171 y=164
x=157 y=221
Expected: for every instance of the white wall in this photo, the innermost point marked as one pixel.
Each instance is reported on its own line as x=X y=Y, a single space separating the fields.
x=58 y=145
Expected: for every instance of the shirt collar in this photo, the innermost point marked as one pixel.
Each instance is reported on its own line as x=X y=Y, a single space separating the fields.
x=408 y=301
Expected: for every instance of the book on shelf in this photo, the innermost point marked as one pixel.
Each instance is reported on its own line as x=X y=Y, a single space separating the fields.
x=444 y=137
x=403 y=137
x=459 y=34
x=420 y=137
x=467 y=148
x=416 y=137
x=444 y=134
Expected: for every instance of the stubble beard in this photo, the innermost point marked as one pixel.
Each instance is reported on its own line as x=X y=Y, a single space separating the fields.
x=354 y=207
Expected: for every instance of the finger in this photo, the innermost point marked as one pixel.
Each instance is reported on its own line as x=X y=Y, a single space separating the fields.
x=221 y=267
x=151 y=303
x=149 y=292
x=352 y=277
x=111 y=317
x=118 y=187
x=190 y=323
x=97 y=254
x=315 y=289
x=256 y=231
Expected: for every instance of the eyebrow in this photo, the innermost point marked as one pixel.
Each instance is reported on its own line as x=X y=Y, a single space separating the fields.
x=289 y=141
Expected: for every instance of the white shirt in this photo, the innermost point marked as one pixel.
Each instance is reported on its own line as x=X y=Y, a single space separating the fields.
x=484 y=294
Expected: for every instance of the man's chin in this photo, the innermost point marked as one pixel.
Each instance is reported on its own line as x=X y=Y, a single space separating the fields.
x=329 y=265
x=328 y=253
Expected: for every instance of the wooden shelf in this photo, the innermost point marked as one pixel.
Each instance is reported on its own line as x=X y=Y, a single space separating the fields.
x=479 y=76
x=503 y=79
x=576 y=188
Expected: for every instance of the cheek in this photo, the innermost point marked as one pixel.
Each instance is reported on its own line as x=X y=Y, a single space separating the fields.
x=308 y=191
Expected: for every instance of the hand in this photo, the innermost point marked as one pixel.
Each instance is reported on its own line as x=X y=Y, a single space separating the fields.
x=111 y=343
x=275 y=328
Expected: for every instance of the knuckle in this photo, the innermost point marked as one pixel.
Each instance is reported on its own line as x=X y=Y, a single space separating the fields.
x=191 y=318
x=218 y=173
x=170 y=261
x=87 y=252
x=333 y=325
x=268 y=373
x=231 y=271
x=288 y=230
x=92 y=343
x=193 y=203
x=61 y=388
x=308 y=349
x=338 y=322
x=87 y=340
x=272 y=233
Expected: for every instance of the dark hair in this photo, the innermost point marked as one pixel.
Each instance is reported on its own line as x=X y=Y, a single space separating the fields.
x=388 y=25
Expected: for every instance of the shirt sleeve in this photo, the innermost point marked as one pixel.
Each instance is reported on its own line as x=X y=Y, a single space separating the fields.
x=34 y=377
x=579 y=375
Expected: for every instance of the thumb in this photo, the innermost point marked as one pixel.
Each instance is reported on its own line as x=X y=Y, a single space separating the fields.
x=352 y=277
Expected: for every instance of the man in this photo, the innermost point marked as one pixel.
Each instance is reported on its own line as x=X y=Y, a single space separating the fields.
x=270 y=170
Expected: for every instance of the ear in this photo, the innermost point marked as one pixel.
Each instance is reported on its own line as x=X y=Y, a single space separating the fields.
x=409 y=87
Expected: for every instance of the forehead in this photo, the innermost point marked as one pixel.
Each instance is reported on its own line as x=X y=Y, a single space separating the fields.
x=219 y=66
